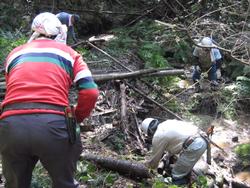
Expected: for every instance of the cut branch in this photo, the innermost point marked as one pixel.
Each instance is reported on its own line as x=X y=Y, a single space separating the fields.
x=123 y=108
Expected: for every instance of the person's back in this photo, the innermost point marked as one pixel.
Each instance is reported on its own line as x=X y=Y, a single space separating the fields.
x=172 y=138
x=34 y=123
x=204 y=57
x=40 y=71
x=174 y=132
x=64 y=18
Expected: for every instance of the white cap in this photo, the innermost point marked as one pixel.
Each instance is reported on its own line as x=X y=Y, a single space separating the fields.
x=46 y=23
x=145 y=123
x=49 y=25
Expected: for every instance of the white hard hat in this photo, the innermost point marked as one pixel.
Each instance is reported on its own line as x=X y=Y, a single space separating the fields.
x=145 y=124
x=206 y=41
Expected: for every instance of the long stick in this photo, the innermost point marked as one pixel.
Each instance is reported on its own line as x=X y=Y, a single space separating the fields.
x=153 y=101
x=142 y=73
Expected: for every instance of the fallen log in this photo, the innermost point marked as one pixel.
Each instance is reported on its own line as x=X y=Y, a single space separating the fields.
x=142 y=73
x=133 y=170
x=125 y=75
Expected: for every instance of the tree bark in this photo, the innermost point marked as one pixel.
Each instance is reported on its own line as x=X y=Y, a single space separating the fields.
x=133 y=170
x=142 y=73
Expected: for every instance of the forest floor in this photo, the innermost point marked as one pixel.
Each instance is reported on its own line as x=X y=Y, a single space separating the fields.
x=107 y=135
x=227 y=135
x=226 y=166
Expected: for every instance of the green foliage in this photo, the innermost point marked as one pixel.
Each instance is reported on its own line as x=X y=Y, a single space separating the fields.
x=140 y=36
x=202 y=182
x=152 y=54
x=8 y=41
x=234 y=69
x=40 y=178
x=10 y=16
x=84 y=52
x=243 y=86
x=246 y=71
x=183 y=51
x=243 y=152
x=116 y=142
x=120 y=45
x=159 y=184
x=87 y=173
x=227 y=102
x=146 y=30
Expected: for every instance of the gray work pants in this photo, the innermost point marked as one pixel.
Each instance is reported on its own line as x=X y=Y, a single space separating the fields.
x=25 y=139
x=188 y=158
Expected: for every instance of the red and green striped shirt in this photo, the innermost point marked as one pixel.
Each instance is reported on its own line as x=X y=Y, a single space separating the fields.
x=43 y=71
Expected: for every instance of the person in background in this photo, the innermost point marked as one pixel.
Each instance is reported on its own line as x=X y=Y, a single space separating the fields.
x=69 y=20
x=172 y=138
x=208 y=59
x=33 y=123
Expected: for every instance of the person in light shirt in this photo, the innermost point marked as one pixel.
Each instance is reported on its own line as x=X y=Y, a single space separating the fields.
x=174 y=137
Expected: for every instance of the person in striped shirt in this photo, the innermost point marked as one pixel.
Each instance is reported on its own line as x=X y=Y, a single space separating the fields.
x=33 y=126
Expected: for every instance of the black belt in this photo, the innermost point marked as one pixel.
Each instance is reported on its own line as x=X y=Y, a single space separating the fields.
x=189 y=141
x=32 y=105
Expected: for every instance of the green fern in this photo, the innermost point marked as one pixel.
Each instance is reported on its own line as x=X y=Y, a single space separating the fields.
x=152 y=54
x=8 y=42
x=183 y=52
x=243 y=85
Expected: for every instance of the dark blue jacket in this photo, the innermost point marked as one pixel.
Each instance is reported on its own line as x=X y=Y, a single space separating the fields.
x=64 y=17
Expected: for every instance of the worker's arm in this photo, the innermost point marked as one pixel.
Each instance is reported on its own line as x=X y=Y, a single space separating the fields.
x=157 y=153
x=72 y=33
x=86 y=103
x=87 y=89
